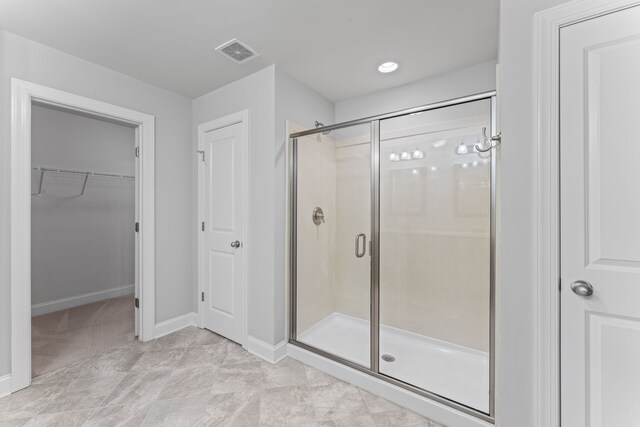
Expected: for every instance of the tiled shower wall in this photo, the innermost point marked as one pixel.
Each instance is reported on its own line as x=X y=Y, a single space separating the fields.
x=434 y=233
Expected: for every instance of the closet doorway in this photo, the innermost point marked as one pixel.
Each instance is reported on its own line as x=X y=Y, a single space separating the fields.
x=82 y=247
x=82 y=237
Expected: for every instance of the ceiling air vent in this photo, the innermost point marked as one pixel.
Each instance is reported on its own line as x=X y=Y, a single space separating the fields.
x=237 y=51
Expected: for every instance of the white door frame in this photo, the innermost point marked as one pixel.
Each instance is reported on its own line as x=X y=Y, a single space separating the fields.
x=203 y=128
x=546 y=136
x=23 y=94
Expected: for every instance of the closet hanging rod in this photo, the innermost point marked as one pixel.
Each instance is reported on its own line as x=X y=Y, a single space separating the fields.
x=86 y=173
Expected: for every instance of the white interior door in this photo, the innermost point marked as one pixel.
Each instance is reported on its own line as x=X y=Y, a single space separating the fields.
x=600 y=220
x=222 y=252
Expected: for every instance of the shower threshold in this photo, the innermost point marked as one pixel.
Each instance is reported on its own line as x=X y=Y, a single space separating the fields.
x=452 y=371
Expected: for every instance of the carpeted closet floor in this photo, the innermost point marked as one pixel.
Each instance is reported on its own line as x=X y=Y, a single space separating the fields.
x=64 y=337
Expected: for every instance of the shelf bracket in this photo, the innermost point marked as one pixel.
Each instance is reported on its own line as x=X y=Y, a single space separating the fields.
x=84 y=185
x=39 y=193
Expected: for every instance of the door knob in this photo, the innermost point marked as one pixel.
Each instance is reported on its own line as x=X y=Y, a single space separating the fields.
x=582 y=288
x=317 y=216
x=235 y=244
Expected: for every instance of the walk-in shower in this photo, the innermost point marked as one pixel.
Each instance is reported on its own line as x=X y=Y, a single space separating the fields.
x=392 y=248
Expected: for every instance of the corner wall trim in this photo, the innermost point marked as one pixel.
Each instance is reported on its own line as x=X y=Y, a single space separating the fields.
x=270 y=353
x=175 y=324
x=75 y=301
x=5 y=385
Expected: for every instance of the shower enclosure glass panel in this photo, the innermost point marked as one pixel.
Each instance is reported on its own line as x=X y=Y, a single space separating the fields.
x=435 y=260
x=333 y=234
x=392 y=248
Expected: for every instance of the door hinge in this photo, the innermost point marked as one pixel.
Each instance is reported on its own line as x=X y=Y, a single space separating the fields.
x=136 y=302
x=137 y=227
x=201 y=152
x=202 y=297
x=137 y=151
x=202 y=225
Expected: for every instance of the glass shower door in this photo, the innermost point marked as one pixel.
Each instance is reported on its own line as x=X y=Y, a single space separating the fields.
x=330 y=242
x=392 y=248
x=435 y=252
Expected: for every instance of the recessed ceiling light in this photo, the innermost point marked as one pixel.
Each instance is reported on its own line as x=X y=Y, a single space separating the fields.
x=388 y=67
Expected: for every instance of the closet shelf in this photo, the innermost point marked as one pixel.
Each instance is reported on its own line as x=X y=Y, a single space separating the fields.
x=86 y=174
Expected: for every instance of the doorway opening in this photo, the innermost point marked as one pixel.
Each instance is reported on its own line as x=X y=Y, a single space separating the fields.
x=82 y=237
x=82 y=221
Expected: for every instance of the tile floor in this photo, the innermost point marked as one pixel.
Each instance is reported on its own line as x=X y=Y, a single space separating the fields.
x=67 y=336
x=194 y=378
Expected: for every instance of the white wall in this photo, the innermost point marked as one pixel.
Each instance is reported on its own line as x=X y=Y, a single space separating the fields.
x=465 y=81
x=517 y=297
x=64 y=139
x=175 y=260
x=80 y=245
x=255 y=92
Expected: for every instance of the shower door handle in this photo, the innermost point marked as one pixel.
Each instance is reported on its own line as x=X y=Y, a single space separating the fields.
x=360 y=252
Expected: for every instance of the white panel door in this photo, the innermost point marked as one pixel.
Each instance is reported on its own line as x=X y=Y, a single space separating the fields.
x=600 y=220
x=221 y=252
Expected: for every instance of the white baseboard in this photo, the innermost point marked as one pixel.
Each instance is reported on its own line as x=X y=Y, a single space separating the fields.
x=268 y=352
x=429 y=408
x=175 y=324
x=75 y=301
x=5 y=385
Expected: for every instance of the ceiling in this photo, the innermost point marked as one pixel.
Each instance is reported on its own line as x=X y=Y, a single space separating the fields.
x=333 y=46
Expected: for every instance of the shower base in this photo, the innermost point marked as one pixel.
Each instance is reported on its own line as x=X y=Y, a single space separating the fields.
x=458 y=373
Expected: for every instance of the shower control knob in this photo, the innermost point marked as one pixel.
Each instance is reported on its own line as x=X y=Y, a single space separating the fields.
x=582 y=288
x=235 y=244
x=317 y=216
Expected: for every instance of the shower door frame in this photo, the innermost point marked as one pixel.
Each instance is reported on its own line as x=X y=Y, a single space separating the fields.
x=373 y=369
